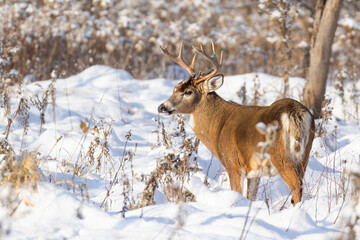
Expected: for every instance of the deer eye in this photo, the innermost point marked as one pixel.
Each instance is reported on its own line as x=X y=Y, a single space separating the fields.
x=188 y=93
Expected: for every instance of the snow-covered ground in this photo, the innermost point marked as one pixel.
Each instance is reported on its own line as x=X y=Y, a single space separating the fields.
x=112 y=99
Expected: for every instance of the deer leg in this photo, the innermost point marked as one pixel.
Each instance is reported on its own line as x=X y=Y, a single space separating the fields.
x=291 y=177
x=298 y=190
x=252 y=187
x=236 y=181
x=297 y=193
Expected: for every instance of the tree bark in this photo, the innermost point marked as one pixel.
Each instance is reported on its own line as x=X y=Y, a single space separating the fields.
x=325 y=23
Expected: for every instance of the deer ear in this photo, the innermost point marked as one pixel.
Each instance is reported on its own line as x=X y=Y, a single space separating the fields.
x=214 y=83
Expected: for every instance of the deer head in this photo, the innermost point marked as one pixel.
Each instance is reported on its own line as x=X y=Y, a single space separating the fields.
x=189 y=92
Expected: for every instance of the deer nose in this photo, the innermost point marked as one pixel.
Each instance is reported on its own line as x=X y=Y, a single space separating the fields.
x=162 y=108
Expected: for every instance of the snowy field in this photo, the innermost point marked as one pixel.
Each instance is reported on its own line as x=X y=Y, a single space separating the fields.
x=79 y=206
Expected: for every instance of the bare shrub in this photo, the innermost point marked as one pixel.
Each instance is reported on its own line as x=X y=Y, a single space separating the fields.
x=326 y=116
x=126 y=34
x=19 y=173
x=21 y=113
x=98 y=152
x=256 y=93
x=7 y=75
x=349 y=220
x=41 y=102
x=261 y=160
x=282 y=16
x=121 y=177
x=175 y=168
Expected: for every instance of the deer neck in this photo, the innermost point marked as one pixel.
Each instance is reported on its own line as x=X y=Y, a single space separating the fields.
x=208 y=117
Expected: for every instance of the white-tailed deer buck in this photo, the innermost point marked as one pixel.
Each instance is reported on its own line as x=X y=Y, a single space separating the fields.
x=228 y=129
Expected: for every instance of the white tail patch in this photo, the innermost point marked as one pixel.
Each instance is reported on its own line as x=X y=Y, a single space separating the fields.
x=296 y=134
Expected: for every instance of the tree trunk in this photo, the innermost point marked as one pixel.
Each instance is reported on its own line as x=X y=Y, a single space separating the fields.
x=325 y=23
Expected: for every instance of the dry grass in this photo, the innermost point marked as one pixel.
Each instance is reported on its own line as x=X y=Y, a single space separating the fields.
x=261 y=160
x=70 y=36
x=19 y=176
x=19 y=173
x=175 y=168
x=349 y=220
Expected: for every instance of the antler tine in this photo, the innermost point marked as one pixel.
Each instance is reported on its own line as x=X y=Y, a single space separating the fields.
x=221 y=54
x=192 y=65
x=213 y=47
x=213 y=60
x=179 y=60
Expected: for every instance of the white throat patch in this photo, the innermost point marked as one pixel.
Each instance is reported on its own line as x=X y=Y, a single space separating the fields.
x=191 y=121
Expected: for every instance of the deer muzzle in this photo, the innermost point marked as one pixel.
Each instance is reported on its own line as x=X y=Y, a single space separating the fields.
x=166 y=108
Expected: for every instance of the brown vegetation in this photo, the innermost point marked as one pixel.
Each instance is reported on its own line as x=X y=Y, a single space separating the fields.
x=69 y=36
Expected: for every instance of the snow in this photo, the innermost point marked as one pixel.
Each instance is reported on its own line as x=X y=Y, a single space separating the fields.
x=272 y=39
x=303 y=44
x=349 y=23
x=105 y=94
x=275 y=14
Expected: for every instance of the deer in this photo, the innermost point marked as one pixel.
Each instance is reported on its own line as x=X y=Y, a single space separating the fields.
x=227 y=128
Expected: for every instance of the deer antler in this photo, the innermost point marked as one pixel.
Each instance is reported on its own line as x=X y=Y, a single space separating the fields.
x=213 y=60
x=179 y=60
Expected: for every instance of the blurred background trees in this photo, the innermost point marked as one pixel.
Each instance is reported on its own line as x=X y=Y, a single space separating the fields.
x=270 y=36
